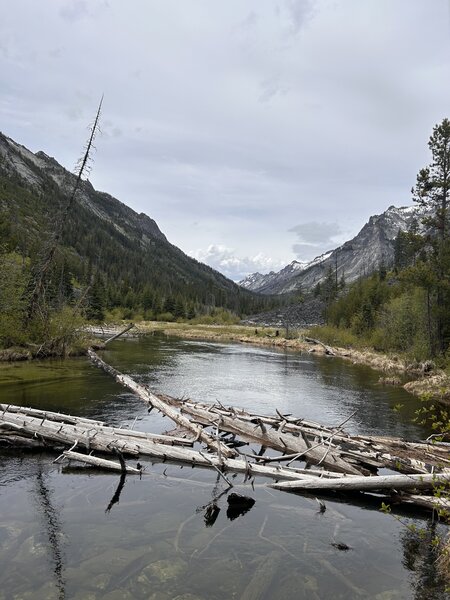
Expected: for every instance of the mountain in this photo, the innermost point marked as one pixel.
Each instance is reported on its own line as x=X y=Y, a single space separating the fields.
x=363 y=254
x=125 y=250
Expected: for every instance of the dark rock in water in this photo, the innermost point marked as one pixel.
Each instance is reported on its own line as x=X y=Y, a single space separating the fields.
x=211 y=514
x=340 y=546
x=238 y=505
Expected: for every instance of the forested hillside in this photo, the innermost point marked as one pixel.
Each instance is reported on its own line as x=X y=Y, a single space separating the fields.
x=124 y=252
x=107 y=258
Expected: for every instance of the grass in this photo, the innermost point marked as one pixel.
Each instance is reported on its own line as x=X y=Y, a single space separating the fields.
x=206 y=331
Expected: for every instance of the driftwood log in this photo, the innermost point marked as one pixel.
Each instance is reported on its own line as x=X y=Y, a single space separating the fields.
x=100 y=463
x=361 y=484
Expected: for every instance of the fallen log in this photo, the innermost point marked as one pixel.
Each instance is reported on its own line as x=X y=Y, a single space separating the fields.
x=101 y=463
x=273 y=439
x=372 y=452
x=162 y=406
x=430 y=502
x=96 y=439
x=91 y=438
x=99 y=425
x=360 y=484
x=327 y=349
x=117 y=335
x=263 y=577
x=47 y=414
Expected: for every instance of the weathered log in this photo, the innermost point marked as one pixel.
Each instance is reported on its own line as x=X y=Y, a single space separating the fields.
x=371 y=452
x=92 y=439
x=101 y=463
x=95 y=438
x=355 y=483
x=273 y=439
x=162 y=406
x=10 y=439
x=47 y=414
x=100 y=425
x=430 y=502
x=117 y=335
x=327 y=349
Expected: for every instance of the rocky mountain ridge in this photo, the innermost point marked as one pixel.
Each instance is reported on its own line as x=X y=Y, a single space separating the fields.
x=360 y=256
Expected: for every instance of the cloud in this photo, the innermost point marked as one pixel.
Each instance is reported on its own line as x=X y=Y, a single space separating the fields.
x=316 y=233
x=224 y=260
x=81 y=9
x=300 y=11
x=74 y=11
x=314 y=238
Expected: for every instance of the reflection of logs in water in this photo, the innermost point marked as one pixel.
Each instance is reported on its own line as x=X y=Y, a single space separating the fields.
x=116 y=497
x=53 y=530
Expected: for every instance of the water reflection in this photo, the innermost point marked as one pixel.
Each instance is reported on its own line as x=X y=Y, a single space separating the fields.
x=116 y=496
x=420 y=556
x=53 y=529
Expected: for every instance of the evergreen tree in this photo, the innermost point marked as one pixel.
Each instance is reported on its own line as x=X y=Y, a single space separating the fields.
x=432 y=192
x=96 y=301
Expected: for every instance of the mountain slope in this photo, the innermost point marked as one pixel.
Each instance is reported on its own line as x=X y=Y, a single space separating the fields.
x=126 y=249
x=363 y=254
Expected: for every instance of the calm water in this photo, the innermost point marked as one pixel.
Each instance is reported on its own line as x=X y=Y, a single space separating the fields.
x=63 y=535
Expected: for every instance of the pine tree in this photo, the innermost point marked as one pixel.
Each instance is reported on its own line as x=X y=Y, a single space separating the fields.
x=432 y=192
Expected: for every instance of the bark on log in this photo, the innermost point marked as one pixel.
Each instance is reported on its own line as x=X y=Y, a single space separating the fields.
x=386 y=482
x=165 y=408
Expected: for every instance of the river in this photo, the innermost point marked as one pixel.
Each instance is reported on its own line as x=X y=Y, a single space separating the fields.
x=70 y=532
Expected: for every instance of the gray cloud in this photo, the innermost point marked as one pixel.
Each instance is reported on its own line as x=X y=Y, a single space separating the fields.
x=72 y=11
x=300 y=11
x=316 y=233
x=315 y=238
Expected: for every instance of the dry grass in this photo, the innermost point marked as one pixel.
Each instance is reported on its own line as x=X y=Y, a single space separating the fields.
x=444 y=560
x=436 y=385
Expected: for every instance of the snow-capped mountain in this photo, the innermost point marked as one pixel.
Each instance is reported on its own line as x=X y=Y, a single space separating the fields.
x=363 y=254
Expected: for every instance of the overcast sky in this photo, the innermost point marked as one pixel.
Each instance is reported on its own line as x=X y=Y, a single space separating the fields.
x=254 y=132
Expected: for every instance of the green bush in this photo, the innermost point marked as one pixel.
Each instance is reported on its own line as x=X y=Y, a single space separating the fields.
x=403 y=325
x=166 y=316
x=335 y=336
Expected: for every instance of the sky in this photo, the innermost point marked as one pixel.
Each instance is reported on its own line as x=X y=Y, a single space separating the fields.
x=254 y=132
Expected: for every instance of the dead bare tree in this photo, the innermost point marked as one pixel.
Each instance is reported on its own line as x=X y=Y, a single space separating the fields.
x=40 y=278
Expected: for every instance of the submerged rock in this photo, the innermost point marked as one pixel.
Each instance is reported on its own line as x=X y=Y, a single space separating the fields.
x=165 y=570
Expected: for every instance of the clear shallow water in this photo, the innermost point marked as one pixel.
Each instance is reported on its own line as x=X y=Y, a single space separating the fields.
x=58 y=540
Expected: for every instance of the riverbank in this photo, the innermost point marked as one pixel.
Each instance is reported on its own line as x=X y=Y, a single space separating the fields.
x=396 y=370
